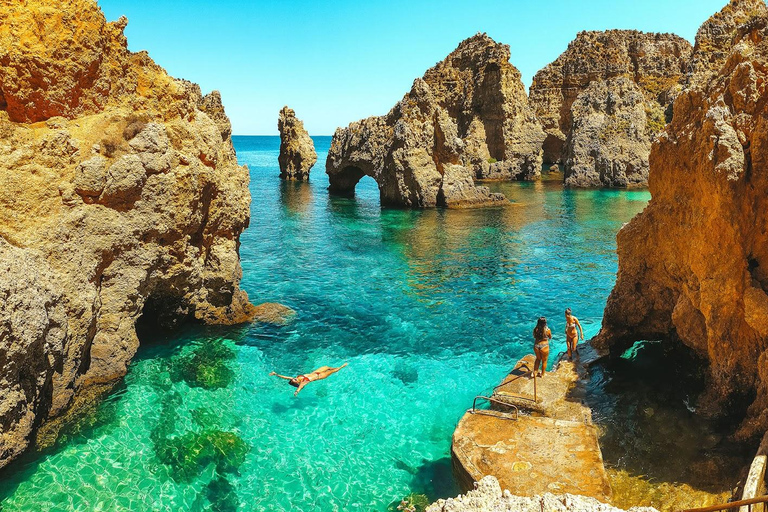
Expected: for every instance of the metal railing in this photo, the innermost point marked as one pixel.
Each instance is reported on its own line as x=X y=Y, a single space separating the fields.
x=497 y=414
x=516 y=395
x=732 y=505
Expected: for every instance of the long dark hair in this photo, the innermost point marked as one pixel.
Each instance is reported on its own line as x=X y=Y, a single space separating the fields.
x=541 y=325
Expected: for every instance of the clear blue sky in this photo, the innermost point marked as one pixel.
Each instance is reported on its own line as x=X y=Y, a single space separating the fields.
x=338 y=61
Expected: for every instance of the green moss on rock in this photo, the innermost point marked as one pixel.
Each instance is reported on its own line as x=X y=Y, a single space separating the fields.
x=206 y=367
x=189 y=454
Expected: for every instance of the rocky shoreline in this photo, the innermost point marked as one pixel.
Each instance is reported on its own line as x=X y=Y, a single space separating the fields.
x=692 y=265
x=121 y=200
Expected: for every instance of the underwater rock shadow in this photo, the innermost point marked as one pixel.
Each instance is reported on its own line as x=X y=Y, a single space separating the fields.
x=305 y=402
x=433 y=478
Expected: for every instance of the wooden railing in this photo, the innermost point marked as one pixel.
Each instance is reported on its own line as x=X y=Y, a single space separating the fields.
x=732 y=505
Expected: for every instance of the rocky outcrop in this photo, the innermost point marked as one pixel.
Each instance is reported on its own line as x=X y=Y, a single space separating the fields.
x=121 y=201
x=297 y=151
x=693 y=266
x=467 y=118
x=488 y=497
x=566 y=102
x=714 y=39
x=613 y=124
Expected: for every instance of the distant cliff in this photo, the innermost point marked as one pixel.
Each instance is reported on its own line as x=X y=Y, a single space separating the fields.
x=602 y=101
x=120 y=200
x=467 y=118
x=693 y=266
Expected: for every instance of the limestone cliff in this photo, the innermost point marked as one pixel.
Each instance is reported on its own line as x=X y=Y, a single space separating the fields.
x=610 y=138
x=297 y=151
x=693 y=266
x=120 y=199
x=656 y=63
x=467 y=118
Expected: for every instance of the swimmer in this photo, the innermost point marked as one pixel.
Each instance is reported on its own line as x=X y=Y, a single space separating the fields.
x=302 y=380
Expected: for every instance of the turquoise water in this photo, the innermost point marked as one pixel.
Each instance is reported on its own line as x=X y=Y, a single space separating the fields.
x=429 y=308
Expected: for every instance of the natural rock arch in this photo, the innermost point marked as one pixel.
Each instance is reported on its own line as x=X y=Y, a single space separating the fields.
x=344 y=182
x=467 y=118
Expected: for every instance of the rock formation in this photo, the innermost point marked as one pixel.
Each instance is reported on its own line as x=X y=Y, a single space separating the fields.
x=120 y=200
x=693 y=266
x=566 y=102
x=467 y=118
x=612 y=127
x=488 y=497
x=297 y=151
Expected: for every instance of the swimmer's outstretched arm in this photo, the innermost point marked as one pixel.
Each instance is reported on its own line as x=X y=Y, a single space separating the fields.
x=580 y=329
x=301 y=386
x=281 y=376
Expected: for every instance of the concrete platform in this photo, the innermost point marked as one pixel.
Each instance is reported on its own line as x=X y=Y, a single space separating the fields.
x=530 y=455
x=551 y=393
x=550 y=446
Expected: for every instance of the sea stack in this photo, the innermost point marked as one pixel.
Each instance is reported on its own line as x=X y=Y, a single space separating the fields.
x=468 y=118
x=297 y=151
x=693 y=266
x=603 y=101
x=121 y=201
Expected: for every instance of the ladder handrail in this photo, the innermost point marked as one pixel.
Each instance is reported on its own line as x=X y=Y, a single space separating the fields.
x=517 y=395
x=731 y=505
x=475 y=410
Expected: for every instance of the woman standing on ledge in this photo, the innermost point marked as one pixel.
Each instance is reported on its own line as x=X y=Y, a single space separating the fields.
x=541 y=337
x=571 y=337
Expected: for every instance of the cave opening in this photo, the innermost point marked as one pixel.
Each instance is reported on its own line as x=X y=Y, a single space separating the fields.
x=161 y=315
x=645 y=401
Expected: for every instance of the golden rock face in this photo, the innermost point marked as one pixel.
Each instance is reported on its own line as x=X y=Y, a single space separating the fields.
x=596 y=66
x=120 y=187
x=693 y=266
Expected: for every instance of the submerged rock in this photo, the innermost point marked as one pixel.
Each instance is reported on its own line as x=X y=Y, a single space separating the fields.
x=693 y=266
x=561 y=91
x=488 y=497
x=123 y=201
x=467 y=118
x=297 y=151
x=273 y=313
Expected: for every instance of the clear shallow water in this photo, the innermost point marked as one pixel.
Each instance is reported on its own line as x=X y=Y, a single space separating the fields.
x=429 y=308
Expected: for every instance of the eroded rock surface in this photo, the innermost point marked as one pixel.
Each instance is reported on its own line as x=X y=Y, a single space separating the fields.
x=693 y=266
x=467 y=118
x=566 y=102
x=120 y=198
x=613 y=124
x=488 y=497
x=297 y=151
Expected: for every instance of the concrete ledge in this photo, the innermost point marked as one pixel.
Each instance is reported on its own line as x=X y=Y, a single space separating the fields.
x=755 y=484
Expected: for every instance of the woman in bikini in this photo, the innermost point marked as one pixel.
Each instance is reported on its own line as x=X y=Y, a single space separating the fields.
x=541 y=337
x=571 y=336
x=302 y=380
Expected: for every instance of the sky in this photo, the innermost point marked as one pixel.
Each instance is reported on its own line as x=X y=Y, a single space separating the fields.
x=338 y=61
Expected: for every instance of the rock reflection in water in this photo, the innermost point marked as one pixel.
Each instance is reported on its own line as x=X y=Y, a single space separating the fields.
x=296 y=196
